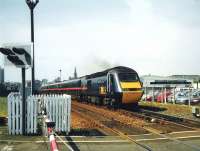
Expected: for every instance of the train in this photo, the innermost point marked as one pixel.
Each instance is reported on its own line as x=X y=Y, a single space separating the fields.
x=113 y=87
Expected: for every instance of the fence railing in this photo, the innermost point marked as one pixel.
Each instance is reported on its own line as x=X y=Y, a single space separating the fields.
x=14 y=113
x=58 y=108
x=59 y=111
x=32 y=113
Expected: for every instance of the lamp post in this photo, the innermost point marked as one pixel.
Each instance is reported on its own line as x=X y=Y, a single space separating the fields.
x=31 y=4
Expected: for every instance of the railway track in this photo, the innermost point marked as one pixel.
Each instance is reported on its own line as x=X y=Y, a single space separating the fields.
x=126 y=117
x=163 y=119
x=178 y=120
x=109 y=127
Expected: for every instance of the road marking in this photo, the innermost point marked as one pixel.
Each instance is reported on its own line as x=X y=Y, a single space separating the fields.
x=16 y=141
x=183 y=132
x=7 y=148
x=99 y=141
x=109 y=141
x=179 y=132
x=163 y=138
x=197 y=136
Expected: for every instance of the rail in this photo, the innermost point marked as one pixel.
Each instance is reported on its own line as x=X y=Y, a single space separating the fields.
x=119 y=133
x=147 y=128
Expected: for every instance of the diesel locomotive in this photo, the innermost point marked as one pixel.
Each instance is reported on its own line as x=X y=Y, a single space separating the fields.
x=113 y=87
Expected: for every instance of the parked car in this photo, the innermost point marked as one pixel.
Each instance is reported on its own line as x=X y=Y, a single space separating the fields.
x=150 y=97
x=196 y=97
x=161 y=96
x=184 y=99
x=178 y=97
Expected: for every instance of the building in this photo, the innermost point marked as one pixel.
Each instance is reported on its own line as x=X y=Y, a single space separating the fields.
x=194 y=78
x=161 y=87
x=151 y=82
x=1 y=75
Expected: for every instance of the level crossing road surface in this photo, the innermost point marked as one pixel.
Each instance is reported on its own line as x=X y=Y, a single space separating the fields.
x=104 y=143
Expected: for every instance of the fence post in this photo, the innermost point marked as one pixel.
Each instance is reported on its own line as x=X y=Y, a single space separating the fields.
x=69 y=112
x=17 y=116
x=20 y=114
x=9 y=114
x=35 y=114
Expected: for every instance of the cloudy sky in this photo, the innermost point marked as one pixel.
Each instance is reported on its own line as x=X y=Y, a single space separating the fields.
x=151 y=36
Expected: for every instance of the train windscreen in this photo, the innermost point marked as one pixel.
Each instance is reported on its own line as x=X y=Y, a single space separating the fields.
x=128 y=77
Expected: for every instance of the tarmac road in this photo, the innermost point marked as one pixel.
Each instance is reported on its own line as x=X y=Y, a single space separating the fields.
x=183 y=141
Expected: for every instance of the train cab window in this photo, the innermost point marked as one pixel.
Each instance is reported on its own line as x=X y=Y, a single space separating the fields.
x=127 y=77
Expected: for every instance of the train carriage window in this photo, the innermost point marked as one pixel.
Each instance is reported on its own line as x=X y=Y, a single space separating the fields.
x=89 y=84
x=127 y=77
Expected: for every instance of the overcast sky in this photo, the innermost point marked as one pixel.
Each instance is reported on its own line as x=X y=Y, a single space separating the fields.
x=151 y=36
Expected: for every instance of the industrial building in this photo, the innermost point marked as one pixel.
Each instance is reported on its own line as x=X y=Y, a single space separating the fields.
x=150 y=81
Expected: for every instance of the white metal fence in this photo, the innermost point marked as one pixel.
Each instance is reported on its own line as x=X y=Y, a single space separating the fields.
x=58 y=109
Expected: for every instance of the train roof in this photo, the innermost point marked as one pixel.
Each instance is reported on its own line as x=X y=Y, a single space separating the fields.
x=97 y=74
x=62 y=82
x=118 y=69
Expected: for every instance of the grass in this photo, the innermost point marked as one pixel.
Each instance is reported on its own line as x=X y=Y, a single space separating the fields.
x=3 y=107
x=171 y=109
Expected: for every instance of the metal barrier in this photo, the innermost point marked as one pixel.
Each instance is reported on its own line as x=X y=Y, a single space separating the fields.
x=49 y=128
x=58 y=108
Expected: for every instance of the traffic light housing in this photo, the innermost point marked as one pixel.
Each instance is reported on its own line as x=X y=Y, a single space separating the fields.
x=17 y=56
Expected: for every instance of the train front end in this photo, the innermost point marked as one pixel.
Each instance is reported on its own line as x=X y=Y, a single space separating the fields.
x=131 y=88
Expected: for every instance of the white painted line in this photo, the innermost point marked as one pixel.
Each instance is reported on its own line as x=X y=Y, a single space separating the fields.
x=7 y=148
x=142 y=134
x=108 y=141
x=162 y=138
x=87 y=136
x=184 y=132
x=197 y=136
x=151 y=139
x=73 y=136
x=104 y=136
x=111 y=141
x=16 y=141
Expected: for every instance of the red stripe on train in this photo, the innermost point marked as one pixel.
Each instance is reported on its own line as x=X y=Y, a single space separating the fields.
x=65 y=89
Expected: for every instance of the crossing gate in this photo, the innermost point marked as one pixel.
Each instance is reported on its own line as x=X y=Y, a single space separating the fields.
x=58 y=108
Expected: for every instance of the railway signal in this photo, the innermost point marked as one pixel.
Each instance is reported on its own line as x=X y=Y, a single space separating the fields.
x=20 y=56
